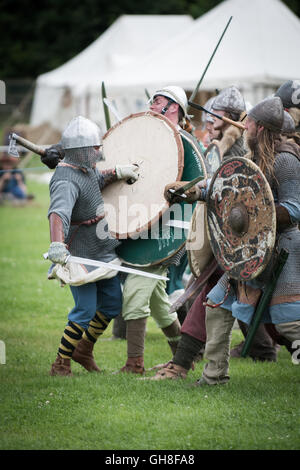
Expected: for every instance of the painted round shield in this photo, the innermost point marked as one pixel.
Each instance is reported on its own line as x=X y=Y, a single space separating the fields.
x=213 y=159
x=241 y=218
x=168 y=235
x=153 y=142
x=198 y=247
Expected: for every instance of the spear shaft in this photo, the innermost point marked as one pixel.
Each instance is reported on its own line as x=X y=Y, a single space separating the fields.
x=209 y=62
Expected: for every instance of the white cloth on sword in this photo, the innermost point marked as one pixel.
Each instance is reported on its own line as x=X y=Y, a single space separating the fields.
x=78 y=274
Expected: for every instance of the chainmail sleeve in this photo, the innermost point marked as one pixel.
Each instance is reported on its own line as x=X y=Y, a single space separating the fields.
x=106 y=177
x=286 y=193
x=63 y=196
x=287 y=184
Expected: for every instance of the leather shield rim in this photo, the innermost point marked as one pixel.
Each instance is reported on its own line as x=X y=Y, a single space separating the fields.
x=196 y=271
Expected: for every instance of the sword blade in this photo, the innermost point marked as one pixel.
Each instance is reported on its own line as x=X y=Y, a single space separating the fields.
x=178 y=224
x=93 y=262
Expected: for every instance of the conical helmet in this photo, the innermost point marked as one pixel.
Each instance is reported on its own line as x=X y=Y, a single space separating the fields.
x=288 y=124
x=81 y=132
x=78 y=141
x=268 y=113
x=289 y=93
x=206 y=117
x=230 y=100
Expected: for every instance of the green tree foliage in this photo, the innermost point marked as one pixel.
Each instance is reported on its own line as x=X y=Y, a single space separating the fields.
x=40 y=36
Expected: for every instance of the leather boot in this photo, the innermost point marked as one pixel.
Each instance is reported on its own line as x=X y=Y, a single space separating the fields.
x=61 y=367
x=83 y=354
x=134 y=365
x=262 y=349
x=119 y=328
x=171 y=371
x=173 y=346
x=237 y=350
x=172 y=332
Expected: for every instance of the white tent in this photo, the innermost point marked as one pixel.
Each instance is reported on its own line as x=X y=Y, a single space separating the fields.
x=259 y=51
x=66 y=91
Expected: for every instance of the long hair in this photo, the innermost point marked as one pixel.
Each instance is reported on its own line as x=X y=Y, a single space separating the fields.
x=266 y=143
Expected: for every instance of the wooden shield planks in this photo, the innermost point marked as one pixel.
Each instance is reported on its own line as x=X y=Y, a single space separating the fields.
x=153 y=142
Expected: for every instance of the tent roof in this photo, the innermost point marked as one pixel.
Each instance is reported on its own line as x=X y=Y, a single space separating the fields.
x=260 y=46
x=129 y=38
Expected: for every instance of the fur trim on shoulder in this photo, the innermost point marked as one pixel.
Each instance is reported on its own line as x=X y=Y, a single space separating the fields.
x=230 y=136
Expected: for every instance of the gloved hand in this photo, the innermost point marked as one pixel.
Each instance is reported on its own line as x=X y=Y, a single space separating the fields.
x=193 y=194
x=128 y=172
x=52 y=156
x=58 y=252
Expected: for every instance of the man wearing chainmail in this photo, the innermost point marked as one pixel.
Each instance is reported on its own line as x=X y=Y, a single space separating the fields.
x=229 y=103
x=289 y=93
x=281 y=167
x=78 y=227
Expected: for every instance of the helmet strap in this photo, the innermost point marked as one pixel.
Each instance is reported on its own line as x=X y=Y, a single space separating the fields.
x=165 y=108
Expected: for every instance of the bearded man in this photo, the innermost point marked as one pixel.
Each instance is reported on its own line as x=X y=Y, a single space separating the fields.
x=229 y=103
x=282 y=169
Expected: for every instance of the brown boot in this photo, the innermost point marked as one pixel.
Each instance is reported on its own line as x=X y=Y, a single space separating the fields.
x=83 y=354
x=134 y=365
x=61 y=367
x=171 y=371
x=237 y=350
x=172 y=332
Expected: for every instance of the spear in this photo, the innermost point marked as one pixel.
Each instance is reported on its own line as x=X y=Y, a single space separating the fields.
x=105 y=107
x=209 y=62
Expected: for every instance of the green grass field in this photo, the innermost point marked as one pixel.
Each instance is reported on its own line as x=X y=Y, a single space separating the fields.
x=258 y=409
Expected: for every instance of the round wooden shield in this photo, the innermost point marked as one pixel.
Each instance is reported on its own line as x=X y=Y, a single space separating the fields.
x=212 y=159
x=168 y=235
x=241 y=218
x=153 y=142
x=198 y=247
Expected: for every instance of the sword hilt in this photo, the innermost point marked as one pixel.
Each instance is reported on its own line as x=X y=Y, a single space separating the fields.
x=180 y=191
